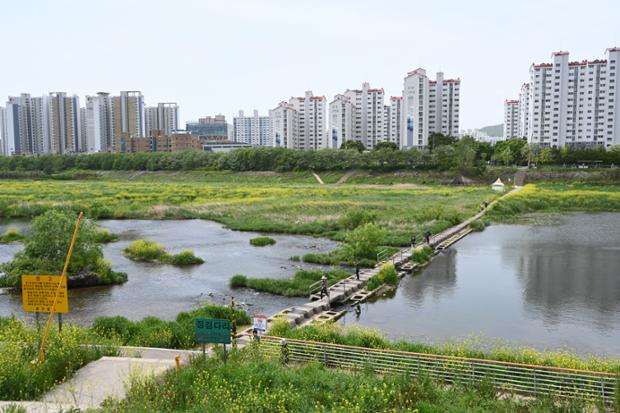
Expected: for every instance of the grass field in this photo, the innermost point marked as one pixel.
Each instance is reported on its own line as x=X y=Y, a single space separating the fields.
x=247 y=202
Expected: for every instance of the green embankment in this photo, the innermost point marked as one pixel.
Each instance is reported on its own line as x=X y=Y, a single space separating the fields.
x=556 y=198
x=250 y=382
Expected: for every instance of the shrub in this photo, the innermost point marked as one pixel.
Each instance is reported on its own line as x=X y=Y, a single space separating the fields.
x=20 y=379
x=154 y=332
x=356 y=217
x=105 y=236
x=144 y=250
x=386 y=275
x=238 y=281
x=11 y=235
x=186 y=257
x=262 y=241
x=150 y=251
x=477 y=225
x=422 y=254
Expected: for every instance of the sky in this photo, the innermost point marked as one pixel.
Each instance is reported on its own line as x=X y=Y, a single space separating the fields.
x=221 y=56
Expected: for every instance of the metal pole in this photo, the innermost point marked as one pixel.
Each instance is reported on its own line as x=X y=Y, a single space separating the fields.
x=60 y=322
x=204 y=352
x=36 y=317
x=224 y=353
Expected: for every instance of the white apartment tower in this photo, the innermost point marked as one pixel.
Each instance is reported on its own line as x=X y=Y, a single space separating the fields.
x=524 y=110
x=284 y=126
x=573 y=103
x=511 y=119
x=2 y=131
x=444 y=99
x=368 y=117
x=393 y=119
x=415 y=110
x=99 y=123
x=312 y=122
x=255 y=130
x=340 y=121
x=27 y=125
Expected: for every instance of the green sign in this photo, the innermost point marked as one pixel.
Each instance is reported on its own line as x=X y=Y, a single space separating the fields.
x=212 y=330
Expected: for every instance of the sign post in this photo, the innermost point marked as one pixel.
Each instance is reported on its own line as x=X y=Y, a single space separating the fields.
x=212 y=330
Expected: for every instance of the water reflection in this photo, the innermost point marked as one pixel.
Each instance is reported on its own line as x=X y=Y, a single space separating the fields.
x=551 y=286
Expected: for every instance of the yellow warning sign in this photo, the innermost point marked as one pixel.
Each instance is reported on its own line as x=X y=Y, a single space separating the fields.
x=38 y=292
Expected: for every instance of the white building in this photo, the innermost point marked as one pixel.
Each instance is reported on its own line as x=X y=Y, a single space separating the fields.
x=27 y=125
x=340 y=121
x=524 y=111
x=284 y=126
x=99 y=123
x=573 y=103
x=254 y=130
x=368 y=116
x=312 y=125
x=2 y=131
x=444 y=99
x=511 y=119
x=393 y=119
x=301 y=123
x=429 y=106
x=164 y=117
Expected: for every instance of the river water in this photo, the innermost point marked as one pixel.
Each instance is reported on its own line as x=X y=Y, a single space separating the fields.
x=165 y=290
x=545 y=286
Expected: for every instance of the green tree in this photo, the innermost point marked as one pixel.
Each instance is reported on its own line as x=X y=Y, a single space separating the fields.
x=47 y=246
x=439 y=139
x=351 y=144
x=465 y=155
x=362 y=242
x=386 y=146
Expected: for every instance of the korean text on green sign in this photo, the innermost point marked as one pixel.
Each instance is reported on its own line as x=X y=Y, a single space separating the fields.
x=212 y=330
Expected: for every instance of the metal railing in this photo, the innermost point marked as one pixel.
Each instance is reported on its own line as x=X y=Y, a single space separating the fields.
x=383 y=255
x=505 y=376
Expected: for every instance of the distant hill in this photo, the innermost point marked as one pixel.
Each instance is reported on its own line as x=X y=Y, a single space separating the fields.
x=494 y=130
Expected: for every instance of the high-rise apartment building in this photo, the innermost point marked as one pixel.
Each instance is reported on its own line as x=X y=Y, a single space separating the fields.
x=524 y=110
x=284 y=126
x=340 y=121
x=393 y=119
x=368 y=117
x=2 y=131
x=429 y=106
x=99 y=121
x=64 y=123
x=254 y=130
x=27 y=125
x=573 y=103
x=163 y=117
x=511 y=119
x=301 y=123
x=443 y=101
x=312 y=124
x=128 y=114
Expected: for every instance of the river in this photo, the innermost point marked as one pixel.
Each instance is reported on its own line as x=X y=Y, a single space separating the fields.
x=165 y=290
x=544 y=286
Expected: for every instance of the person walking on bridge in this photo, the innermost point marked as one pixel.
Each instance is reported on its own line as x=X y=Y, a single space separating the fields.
x=427 y=237
x=324 y=290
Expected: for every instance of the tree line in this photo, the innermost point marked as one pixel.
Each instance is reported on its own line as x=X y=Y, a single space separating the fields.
x=443 y=153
